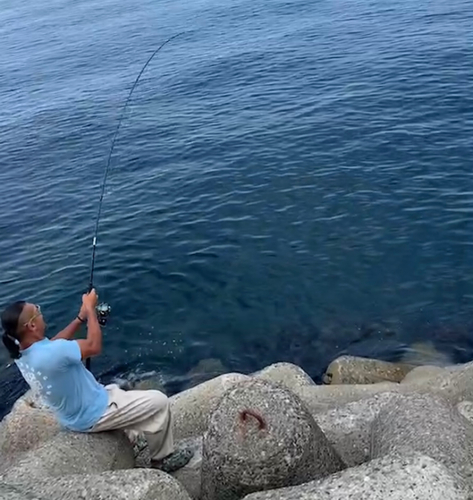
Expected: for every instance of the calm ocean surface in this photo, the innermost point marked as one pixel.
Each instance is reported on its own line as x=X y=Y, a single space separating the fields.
x=293 y=179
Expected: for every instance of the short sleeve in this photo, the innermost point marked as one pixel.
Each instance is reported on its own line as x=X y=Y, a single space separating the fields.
x=67 y=351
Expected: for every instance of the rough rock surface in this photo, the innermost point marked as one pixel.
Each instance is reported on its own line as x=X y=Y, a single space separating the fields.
x=261 y=436
x=358 y=370
x=191 y=409
x=413 y=477
x=321 y=398
x=286 y=374
x=190 y=476
x=73 y=453
x=424 y=373
x=8 y=492
x=138 y=484
x=348 y=427
x=465 y=408
x=23 y=429
x=425 y=424
x=454 y=384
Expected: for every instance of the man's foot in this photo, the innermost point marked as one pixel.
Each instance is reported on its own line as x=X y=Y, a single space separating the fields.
x=175 y=461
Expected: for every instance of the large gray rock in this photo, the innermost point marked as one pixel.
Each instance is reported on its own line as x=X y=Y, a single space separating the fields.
x=424 y=373
x=454 y=383
x=465 y=408
x=138 y=484
x=34 y=399
x=8 y=492
x=286 y=374
x=73 y=453
x=348 y=427
x=321 y=398
x=191 y=408
x=25 y=428
x=261 y=436
x=189 y=476
x=413 y=477
x=425 y=424
x=358 y=370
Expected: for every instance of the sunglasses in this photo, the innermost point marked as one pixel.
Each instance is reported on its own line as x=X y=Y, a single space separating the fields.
x=35 y=315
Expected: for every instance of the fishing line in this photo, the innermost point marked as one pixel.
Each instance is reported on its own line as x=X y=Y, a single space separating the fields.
x=103 y=310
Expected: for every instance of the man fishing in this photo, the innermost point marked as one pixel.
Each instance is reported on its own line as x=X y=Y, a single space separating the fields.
x=54 y=371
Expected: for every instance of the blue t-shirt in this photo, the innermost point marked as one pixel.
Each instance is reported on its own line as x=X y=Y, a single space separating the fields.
x=56 y=374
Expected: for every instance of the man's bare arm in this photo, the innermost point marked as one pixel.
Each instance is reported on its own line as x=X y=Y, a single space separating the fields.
x=92 y=345
x=71 y=329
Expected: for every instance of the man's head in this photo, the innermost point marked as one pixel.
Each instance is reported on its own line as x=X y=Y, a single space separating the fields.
x=23 y=325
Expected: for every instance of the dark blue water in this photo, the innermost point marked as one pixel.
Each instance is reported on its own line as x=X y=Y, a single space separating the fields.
x=293 y=179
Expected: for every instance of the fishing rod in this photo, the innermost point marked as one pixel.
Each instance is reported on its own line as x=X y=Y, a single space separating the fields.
x=103 y=310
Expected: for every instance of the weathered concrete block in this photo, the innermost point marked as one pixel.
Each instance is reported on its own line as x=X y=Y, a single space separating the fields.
x=191 y=408
x=190 y=476
x=286 y=374
x=8 y=492
x=413 y=477
x=73 y=453
x=455 y=383
x=321 y=398
x=425 y=424
x=261 y=436
x=358 y=370
x=424 y=373
x=138 y=484
x=465 y=408
x=348 y=427
x=23 y=429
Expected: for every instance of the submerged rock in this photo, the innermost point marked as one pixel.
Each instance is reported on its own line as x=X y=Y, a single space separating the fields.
x=206 y=369
x=425 y=353
x=412 y=477
x=261 y=436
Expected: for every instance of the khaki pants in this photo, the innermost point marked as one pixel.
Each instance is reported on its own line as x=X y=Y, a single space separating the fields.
x=137 y=412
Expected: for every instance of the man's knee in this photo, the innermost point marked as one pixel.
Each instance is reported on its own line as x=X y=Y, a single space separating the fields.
x=160 y=401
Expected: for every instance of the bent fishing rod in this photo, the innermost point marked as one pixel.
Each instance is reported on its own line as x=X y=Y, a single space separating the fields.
x=104 y=309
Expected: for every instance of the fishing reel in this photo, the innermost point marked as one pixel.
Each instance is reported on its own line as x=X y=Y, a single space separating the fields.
x=103 y=312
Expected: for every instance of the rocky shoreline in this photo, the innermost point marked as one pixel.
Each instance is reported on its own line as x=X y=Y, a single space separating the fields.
x=374 y=430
